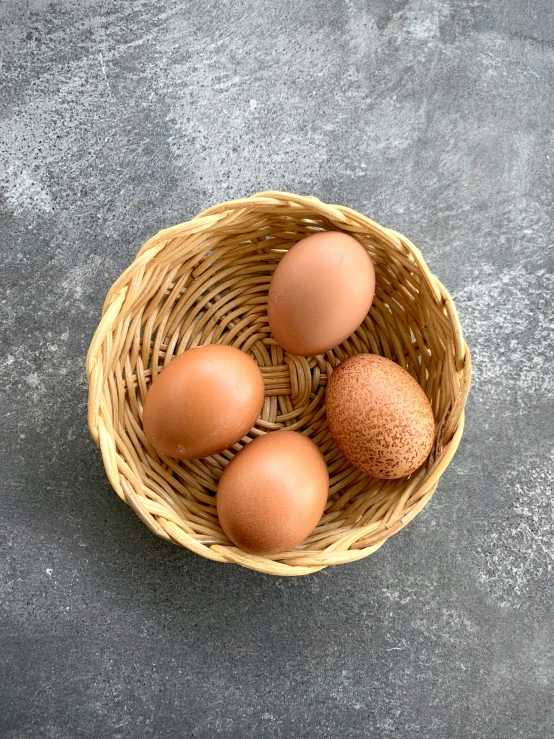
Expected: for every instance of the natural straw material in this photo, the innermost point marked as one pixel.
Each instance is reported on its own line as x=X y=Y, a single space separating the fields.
x=206 y=281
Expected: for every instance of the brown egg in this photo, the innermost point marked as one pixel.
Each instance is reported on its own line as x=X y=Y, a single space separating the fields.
x=379 y=416
x=204 y=401
x=273 y=492
x=320 y=293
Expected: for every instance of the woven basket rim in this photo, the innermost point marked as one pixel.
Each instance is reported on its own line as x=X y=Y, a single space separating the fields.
x=110 y=419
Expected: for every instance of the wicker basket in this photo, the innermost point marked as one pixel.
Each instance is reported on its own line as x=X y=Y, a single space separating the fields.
x=206 y=281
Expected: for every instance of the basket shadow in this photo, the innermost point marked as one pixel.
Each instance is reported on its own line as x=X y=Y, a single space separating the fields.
x=148 y=575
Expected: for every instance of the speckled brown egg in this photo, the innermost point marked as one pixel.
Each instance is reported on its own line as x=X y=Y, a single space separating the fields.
x=273 y=493
x=320 y=293
x=379 y=416
x=204 y=401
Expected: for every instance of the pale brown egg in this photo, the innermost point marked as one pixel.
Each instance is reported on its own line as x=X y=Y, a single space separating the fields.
x=320 y=293
x=379 y=416
x=204 y=401
x=273 y=493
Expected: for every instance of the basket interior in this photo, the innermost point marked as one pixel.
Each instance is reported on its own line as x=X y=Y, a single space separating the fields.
x=192 y=286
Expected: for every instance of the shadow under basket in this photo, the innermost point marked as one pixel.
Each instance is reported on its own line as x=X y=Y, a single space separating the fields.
x=206 y=281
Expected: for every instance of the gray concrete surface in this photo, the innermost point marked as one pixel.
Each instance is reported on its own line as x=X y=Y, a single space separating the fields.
x=119 y=118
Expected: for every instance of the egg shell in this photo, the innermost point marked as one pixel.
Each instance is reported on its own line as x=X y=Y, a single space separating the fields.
x=379 y=416
x=273 y=493
x=321 y=291
x=205 y=400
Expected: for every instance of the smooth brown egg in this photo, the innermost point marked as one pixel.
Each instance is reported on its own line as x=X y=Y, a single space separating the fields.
x=320 y=293
x=379 y=416
x=204 y=401
x=273 y=492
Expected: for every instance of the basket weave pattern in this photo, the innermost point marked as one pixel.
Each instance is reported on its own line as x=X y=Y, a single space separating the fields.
x=206 y=281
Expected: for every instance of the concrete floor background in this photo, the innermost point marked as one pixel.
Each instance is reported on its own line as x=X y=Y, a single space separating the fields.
x=120 y=118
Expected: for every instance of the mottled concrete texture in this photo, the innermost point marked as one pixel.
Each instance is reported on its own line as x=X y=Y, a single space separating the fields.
x=118 y=118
